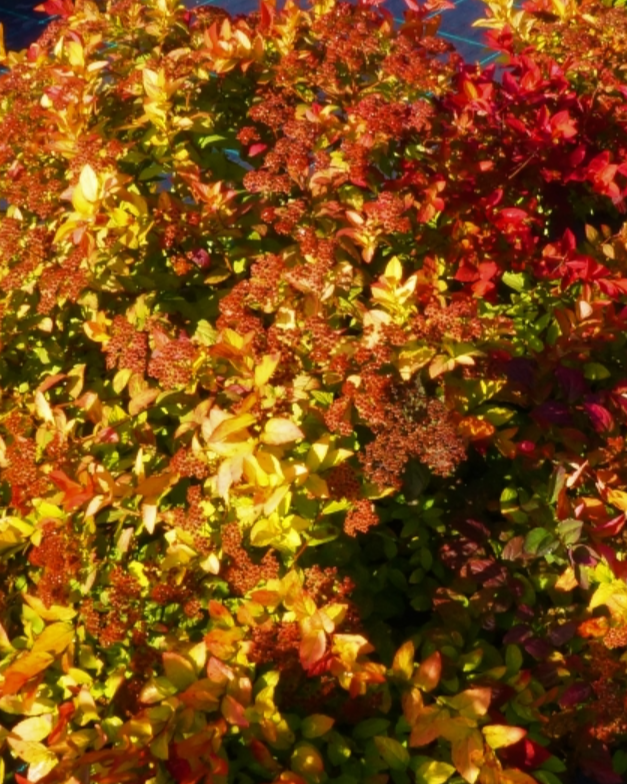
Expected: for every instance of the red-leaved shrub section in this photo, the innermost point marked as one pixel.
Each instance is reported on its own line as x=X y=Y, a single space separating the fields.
x=313 y=394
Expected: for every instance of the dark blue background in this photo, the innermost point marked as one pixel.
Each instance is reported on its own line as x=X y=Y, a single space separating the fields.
x=22 y=25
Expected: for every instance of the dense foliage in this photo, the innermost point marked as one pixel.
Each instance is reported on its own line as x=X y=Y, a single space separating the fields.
x=313 y=396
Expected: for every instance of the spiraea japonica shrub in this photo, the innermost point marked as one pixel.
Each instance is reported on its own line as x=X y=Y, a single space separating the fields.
x=313 y=398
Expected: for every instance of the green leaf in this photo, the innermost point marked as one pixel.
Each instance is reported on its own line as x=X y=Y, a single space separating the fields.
x=546 y=777
x=396 y=755
x=513 y=658
x=515 y=280
x=315 y=725
x=539 y=541
x=369 y=728
x=569 y=531
x=595 y=371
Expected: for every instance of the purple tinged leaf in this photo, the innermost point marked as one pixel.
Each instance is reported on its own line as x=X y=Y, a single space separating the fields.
x=521 y=371
x=575 y=694
x=601 y=419
x=539 y=649
x=562 y=633
x=572 y=382
x=525 y=613
x=552 y=412
x=518 y=634
x=201 y=258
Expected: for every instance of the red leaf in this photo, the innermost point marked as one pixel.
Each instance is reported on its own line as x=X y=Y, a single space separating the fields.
x=312 y=648
x=62 y=8
x=526 y=754
x=256 y=149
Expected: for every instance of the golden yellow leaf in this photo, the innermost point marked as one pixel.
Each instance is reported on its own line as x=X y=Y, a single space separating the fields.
x=265 y=369
x=55 y=612
x=618 y=498
x=472 y=702
x=230 y=426
x=498 y=735
x=403 y=664
x=54 y=639
x=178 y=670
x=434 y=772
x=281 y=431
x=35 y=728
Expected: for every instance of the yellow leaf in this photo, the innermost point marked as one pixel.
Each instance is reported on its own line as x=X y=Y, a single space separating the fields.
x=54 y=639
x=75 y=53
x=230 y=426
x=53 y=613
x=498 y=735
x=36 y=728
x=471 y=703
x=618 y=498
x=39 y=758
x=154 y=82
x=403 y=664
x=178 y=670
x=434 y=772
x=88 y=181
x=394 y=270
x=281 y=431
x=42 y=407
x=3 y=53
x=265 y=369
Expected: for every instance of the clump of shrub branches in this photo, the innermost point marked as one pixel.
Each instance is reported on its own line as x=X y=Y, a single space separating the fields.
x=313 y=397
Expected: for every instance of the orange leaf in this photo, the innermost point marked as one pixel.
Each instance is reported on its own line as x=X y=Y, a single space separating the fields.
x=233 y=712
x=142 y=400
x=22 y=670
x=475 y=429
x=467 y=755
x=428 y=674
x=428 y=725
